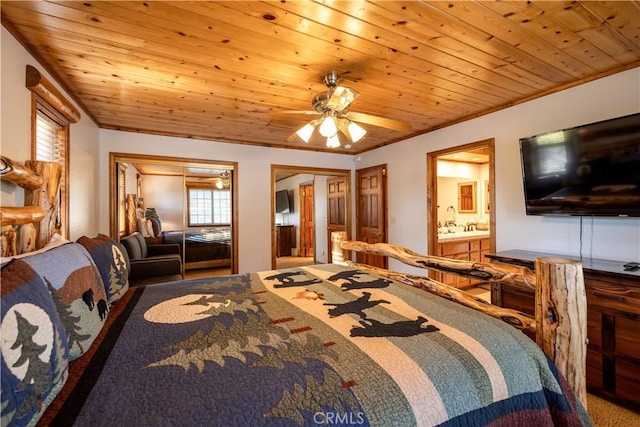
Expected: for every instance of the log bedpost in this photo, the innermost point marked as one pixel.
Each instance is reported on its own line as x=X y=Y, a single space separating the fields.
x=561 y=319
x=46 y=198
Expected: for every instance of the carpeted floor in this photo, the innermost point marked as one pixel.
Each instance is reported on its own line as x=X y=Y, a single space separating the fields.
x=606 y=414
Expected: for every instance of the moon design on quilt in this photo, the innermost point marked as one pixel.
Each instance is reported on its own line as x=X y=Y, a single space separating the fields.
x=194 y=307
x=41 y=334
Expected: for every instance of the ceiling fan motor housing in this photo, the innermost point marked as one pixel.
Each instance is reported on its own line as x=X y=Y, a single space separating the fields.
x=330 y=79
x=320 y=102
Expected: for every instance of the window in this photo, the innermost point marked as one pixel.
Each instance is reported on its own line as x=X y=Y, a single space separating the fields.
x=208 y=205
x=52 y=115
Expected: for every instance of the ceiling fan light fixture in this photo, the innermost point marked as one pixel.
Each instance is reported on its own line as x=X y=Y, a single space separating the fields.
x=341 y=98
x=305 y=132
x=333 y=141
x=328 y=127
x=356 y=132
x=223 y=181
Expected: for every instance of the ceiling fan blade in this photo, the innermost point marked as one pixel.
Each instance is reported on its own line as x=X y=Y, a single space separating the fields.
x=341 y=98
x=383 y=122
x=308 y=112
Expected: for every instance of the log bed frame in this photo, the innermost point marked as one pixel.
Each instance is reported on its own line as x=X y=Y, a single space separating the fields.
x=30 y=227
x=560 y=323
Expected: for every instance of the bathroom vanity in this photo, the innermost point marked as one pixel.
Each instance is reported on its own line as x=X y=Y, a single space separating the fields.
x=462 y=245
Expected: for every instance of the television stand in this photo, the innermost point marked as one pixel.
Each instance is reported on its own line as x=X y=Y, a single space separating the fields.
x=613 y=321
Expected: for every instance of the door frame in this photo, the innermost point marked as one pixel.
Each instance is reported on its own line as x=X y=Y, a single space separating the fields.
x=277 y=170
x=432 y=190
x=115 y=158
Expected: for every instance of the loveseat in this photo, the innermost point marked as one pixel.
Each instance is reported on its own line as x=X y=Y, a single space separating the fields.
x=151 y=263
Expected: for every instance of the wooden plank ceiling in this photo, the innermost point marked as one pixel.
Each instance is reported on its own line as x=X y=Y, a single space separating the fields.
x=230 y=70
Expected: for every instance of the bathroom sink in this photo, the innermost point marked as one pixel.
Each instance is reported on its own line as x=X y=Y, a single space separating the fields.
x=463 y=234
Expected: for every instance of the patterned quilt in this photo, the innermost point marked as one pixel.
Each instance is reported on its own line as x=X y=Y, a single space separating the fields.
x=318 y=345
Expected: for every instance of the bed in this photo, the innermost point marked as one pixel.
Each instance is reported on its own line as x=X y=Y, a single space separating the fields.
x=324 y=344
x=204 y=247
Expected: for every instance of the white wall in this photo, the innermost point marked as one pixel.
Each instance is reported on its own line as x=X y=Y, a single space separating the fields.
x=166 y=195
x=608 y=238
x=15 y=141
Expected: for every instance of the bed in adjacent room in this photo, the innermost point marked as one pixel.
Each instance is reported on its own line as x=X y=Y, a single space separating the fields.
x=204 y=247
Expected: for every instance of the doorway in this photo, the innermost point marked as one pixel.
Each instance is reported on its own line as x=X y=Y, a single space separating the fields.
x=460 y=201
x=304 y=232
x=371 y=205
x=165 y=186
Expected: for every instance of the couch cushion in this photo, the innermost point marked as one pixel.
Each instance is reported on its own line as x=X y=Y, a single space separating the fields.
x=132 y=246
x=77 y=290
x=111 y=262
x=34 y=349
x=143 y=244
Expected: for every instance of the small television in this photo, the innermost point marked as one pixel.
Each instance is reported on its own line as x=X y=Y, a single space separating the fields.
x=283 y=202
x=588 y=170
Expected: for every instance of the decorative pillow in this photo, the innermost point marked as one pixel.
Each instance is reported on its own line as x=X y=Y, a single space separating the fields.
x=77 y=290
x=149 y=225
x=142 y=227
x=111 y=263
x=34 y=350
x=152 y=215
x=155 y=222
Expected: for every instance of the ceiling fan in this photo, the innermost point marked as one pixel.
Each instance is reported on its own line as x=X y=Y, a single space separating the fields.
x=332 y=105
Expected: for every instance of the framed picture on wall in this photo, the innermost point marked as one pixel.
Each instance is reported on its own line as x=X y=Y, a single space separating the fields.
x=467 y=197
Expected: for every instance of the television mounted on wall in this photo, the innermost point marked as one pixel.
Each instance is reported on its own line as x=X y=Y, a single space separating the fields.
x=588 y=170
x=283 y=202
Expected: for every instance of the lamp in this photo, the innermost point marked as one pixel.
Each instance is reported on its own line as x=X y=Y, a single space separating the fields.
x=333 y=141
x=224 y=180
x=305 y=132
x=355 y=131
x=328 y=126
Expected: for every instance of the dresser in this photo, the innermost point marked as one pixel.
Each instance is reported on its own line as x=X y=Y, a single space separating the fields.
x=285 y=239
x=613 y=321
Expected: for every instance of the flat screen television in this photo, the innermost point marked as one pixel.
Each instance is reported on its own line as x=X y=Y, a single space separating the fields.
x=283 y=202
x=589 y=170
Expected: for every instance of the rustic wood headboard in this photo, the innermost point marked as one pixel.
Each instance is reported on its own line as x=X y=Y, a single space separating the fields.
x=30 y=227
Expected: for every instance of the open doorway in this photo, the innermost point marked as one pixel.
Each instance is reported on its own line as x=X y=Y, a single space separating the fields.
x=166 y=199
x=308 y=211
x=460 y=201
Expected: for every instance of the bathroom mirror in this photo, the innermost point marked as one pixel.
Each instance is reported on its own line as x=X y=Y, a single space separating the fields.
x=467 y=197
